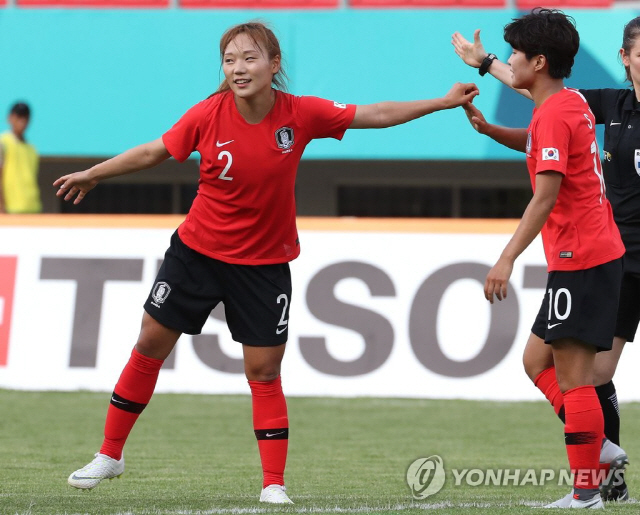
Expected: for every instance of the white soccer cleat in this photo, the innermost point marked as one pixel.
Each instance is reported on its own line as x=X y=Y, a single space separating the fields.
x=595 y=503
x=102 y=467
x=617 y=459
x=610 y=451
x=565 y=502
x=275 y=494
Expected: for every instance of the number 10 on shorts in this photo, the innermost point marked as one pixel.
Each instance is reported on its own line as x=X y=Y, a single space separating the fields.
x=559 y=305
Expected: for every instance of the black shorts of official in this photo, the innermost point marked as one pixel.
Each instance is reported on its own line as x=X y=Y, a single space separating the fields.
x=189 y=285
x=629 y=307
x=581 y=304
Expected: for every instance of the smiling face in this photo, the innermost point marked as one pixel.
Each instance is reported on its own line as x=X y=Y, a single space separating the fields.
x=522 y=69
x=247 y=67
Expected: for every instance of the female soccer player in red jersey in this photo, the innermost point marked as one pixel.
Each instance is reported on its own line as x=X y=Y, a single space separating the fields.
x=581 y=241
x=238 y=237
x=616 y=110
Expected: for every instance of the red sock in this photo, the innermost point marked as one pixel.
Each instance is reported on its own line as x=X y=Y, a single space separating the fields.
x=583 y=433
x=130 y=396
x=271 y=426
x=548 y=385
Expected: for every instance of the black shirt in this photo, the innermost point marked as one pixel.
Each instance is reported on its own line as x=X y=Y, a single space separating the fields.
x=619 y=111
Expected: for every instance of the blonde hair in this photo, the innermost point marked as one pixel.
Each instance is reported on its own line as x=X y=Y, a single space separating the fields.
x=264 y=38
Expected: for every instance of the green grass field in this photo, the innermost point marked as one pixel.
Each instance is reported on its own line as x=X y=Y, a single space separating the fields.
x=192 y=454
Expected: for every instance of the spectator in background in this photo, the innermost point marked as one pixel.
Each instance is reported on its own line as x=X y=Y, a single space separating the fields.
x=19 y=192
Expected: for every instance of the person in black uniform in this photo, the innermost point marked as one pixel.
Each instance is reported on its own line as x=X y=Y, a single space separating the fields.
x=619 y=111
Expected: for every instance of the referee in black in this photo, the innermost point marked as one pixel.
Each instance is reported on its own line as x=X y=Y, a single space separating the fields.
x=619 y=111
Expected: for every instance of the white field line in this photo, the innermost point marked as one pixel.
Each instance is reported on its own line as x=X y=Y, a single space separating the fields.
x=336 y=509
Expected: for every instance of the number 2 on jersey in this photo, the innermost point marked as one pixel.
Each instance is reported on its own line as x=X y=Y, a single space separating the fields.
x=223 y=175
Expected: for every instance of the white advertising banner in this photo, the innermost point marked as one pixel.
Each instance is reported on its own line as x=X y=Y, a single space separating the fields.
x=379 y=308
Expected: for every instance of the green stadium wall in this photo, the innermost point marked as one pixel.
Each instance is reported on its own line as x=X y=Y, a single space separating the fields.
x=100 y=81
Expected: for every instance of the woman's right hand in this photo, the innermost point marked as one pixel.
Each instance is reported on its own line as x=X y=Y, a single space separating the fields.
x=76 y=184
x=471 y=53
x=476 y=118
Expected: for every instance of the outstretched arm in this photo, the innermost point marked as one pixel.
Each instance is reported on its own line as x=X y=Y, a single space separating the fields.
x=133 y=160
x=512 y=138
x=474 y=53
x=388 y=114
x=534 y=217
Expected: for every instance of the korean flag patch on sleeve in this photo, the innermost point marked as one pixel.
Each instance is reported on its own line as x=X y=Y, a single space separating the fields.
x=550 y=154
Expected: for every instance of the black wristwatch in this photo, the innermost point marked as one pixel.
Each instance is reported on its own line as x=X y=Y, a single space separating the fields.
x=486 y=62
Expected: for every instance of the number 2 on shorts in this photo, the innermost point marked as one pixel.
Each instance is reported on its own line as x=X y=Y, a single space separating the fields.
x=282 y=322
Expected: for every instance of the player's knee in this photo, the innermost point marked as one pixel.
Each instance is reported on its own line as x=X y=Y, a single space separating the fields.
x=566 y=384
x=155 y=340
x=262 y=373
x=532 y=367
x=602 y=375
x=154 y=346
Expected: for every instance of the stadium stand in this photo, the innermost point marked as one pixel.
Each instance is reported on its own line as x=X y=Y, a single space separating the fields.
x=94 y=3
x=313 y=4
x=428 y=3
x=530 y=4
x=260 y=4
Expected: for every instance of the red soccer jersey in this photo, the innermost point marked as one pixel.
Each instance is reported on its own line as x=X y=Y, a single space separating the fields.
x=580 y=232
x=244 y=212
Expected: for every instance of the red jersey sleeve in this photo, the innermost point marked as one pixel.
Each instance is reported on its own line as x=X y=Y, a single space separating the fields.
x=325 y=118
x=183 y=138
x=553 y=135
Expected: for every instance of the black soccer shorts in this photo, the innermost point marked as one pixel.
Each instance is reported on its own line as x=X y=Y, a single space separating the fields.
x=629 y=307
x=581 y=304
x=189 y=285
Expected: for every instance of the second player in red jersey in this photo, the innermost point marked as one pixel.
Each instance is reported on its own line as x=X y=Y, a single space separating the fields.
x=580 y=232
x=582 y=244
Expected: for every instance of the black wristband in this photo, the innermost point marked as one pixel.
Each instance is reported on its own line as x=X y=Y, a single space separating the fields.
x=486 y=62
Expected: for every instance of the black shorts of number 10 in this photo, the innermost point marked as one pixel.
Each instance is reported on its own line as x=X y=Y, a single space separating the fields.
x=582 y=305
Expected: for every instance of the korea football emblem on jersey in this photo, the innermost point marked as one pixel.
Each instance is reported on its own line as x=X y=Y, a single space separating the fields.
x=160 y=293
x=284 y=137
x=636 y=160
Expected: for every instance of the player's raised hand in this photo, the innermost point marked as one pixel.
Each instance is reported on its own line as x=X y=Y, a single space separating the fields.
x=460 y=94
x=476 y=118
x=471 y=53
x=498 y=279
x=76 y=184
